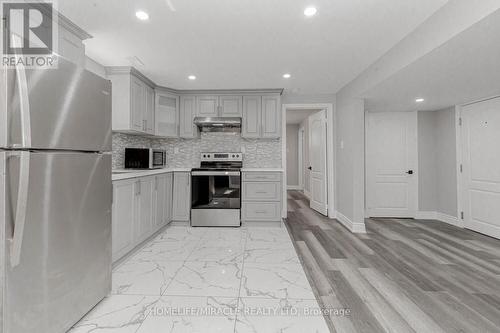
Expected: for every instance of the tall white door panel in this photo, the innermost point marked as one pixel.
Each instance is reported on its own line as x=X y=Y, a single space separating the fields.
x=391 y=164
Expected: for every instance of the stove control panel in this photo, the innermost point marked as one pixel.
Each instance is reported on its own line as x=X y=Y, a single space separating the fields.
x=220 y=157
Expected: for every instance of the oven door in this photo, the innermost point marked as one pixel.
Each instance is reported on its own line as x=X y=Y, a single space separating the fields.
x=215 y=198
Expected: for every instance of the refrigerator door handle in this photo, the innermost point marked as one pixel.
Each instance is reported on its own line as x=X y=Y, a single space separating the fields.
x=24 y=103
x=22 y=203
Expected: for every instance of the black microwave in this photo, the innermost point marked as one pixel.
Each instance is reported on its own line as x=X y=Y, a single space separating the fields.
x=145 y=158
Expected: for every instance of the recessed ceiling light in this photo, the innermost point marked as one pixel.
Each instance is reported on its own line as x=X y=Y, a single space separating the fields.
x=142 y=15
x=287 y=76
x=192 y=77
x=419 y=100
x=310 y=11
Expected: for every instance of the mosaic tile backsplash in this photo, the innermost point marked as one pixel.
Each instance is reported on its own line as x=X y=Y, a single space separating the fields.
x=185 y=153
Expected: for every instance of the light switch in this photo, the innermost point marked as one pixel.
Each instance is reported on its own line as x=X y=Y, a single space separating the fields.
x=341 y=144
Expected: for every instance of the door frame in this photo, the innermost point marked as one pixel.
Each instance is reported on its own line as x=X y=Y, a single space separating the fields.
x=300 y=148
x=415 y=168
x=459 y=153
x=330 y=152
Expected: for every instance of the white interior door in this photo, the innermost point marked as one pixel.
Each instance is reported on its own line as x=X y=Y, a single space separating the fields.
x=317 y=158
x=391 y=163
x=481 y=167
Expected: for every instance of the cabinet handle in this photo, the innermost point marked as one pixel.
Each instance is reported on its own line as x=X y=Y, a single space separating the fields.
x=261 y=192
x=138 y=187
x=261 y=211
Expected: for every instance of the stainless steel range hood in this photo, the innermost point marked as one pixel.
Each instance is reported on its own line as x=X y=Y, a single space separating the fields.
x=218 y=124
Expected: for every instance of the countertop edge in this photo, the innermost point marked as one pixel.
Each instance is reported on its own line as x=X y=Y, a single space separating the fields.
x=145 y=173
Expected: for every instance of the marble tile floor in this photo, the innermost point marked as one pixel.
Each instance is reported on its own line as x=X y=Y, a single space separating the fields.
x=209 y=280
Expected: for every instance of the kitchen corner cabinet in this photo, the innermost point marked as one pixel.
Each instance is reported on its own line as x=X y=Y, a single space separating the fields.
x=261 y=117
x=166 y=115
x=187 y=129
x=182 y=197
x=133 y=102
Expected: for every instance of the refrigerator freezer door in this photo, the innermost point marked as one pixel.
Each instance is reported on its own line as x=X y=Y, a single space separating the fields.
x=59 y=265
x=67 y=108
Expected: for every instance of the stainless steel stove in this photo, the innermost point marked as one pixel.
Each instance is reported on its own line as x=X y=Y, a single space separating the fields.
x=216 y=190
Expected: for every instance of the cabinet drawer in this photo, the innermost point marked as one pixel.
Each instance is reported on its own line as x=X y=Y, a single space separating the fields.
x=261 y=176
x=261 y=211
x=261 y=191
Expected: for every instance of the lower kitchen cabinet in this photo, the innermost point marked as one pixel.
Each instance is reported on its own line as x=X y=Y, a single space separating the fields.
x=261 y=197
x=163 y=209
x=124 y=203
x=182 y=197
x=141 y=206
x=145 y=191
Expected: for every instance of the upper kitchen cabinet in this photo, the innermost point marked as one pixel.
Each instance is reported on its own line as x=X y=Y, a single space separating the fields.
x=133 y=101
x=166 y=114
x=219 y=106
x=271 y=117
x=251 y=123
x=207 y=106
x=187 y=129
x=231 y=106
x=261 y=117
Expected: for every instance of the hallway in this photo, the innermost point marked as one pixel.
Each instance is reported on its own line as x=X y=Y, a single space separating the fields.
x=401 y=276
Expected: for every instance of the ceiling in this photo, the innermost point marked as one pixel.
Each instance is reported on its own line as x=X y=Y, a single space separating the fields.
x=294 y=117
x=463 y=70
x=244 y=44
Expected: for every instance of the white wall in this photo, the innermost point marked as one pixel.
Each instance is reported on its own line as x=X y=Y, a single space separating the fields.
x=350 y=166
x=292 y=155
x=437 y=161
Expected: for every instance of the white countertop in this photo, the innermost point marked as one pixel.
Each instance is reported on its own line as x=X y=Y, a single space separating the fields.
x=121 y=174
x=261 y=170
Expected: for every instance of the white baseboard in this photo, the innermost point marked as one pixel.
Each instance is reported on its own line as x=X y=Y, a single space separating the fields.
x=353 y=227
x=294 y=188
x=426 y=215
x=431 y=215
x=307 y=194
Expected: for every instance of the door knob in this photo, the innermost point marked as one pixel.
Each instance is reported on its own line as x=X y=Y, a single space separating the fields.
x=410 y=172
x=310 y=168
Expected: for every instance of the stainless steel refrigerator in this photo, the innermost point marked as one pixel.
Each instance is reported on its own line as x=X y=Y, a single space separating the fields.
x=55 y=196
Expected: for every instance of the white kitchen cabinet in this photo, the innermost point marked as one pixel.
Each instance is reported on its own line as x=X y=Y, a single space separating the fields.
x=132 y=101
x=219 y=106
x=251 y=123
x=145 y=208
x=149 y=117
x=182 y=196
x=124 y=203
x=207 y=106
x=141 y=206
x=230 y=106
x=187 y=129
x=261 y=197
x=163 y=202
x=261 y=117
x=271 y=117
x=137 y=101
x=166 y=115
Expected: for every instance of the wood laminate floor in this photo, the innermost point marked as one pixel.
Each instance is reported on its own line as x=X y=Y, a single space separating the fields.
x=401 y=276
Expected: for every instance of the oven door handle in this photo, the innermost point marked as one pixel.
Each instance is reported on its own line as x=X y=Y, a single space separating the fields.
x=215 y=173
